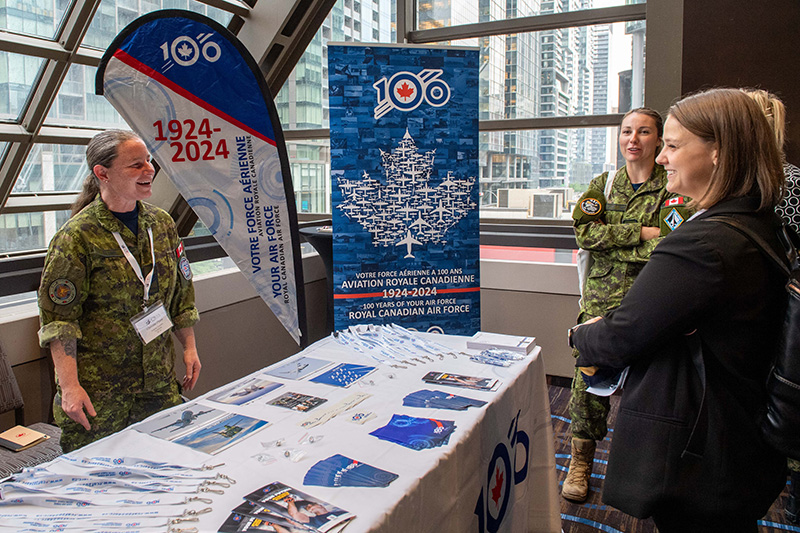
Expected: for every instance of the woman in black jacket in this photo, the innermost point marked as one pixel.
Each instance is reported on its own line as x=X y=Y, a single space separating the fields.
x=699 y=327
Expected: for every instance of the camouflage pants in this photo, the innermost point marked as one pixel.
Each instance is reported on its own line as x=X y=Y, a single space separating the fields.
x=587 y=411
x=115 y=411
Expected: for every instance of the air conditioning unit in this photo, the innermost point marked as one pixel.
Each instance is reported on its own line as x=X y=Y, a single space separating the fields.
x=545 y=205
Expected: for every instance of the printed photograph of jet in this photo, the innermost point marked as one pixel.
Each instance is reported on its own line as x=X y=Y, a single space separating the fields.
x=186 y=419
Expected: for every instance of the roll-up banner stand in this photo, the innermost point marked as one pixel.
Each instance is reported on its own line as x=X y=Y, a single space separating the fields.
x=404 y=165
x=194 y=94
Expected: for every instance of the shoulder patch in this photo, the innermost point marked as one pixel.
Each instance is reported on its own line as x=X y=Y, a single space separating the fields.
x=673 y=219
x=674 y=201
x=62 y=291
x=179 y=250
x=590 y=206
x=186 y=269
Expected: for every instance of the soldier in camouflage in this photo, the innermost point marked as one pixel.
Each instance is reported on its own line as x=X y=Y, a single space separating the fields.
x=622 y=232
x=90 y=292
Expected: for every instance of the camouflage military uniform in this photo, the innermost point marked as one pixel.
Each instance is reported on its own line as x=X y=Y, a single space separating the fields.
x=90 y=292
x=619 y=255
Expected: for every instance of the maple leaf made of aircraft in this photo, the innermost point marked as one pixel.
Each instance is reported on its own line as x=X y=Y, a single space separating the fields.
x=403 y=209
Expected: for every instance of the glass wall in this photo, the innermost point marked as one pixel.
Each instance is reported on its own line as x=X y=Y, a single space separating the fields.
x=53 y=168
x=303 y=101
x=29 y=231
x=575 y=71
x=444 y=13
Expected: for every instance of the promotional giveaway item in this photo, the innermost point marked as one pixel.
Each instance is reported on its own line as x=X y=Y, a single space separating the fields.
x=457 y=380
x=298 y=509
x=341 y=471
x=440 y=400
x=404 y=191
x=344 y=374
x=109 y=494
x=297 y=402
x=512 y=343
x=177 y=423
x=416 y=433
x=222 y=433
x=245 y=392
x=299 y=368
x=197 y=98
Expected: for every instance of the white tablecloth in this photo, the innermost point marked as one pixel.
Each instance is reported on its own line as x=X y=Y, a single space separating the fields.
x=497 y=473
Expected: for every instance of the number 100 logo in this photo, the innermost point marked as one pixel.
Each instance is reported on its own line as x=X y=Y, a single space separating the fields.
x=185 y=51
x=405 y=91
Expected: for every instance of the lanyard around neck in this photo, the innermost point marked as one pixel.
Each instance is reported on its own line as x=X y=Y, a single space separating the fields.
x=146 y=281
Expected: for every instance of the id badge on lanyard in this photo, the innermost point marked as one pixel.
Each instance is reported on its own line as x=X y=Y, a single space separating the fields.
x=154 y=319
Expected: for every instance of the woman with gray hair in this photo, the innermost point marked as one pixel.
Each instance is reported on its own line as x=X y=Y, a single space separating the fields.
x=115 y=284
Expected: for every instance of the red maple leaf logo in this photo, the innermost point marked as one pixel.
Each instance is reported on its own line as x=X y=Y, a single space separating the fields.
x=498 y=486
x=405 y=91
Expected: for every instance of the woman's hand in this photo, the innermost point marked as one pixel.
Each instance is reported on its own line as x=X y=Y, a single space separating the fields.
x=74 y=399
x=76 y=404
x=190 y=358
x=192 y=362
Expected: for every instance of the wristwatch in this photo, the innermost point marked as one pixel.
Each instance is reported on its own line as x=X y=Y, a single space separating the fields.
x=570 y=331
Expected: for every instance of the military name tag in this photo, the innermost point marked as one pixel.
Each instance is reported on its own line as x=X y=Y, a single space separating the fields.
x=152 y=322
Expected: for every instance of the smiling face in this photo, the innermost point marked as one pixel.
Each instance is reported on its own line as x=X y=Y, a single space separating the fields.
x=688 y=159
x=638 y=138
x=128 y=179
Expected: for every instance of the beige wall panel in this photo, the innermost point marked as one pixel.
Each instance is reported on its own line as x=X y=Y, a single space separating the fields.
x=240 y=338
x=544 y=316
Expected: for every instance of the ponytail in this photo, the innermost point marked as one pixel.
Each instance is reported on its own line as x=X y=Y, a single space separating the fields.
x=91 y=188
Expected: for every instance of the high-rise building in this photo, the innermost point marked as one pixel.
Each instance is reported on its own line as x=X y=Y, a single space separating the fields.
x=302 y=103
x=602 y=38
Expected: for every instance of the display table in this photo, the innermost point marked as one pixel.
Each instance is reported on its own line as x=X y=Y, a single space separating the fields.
x=496 y=473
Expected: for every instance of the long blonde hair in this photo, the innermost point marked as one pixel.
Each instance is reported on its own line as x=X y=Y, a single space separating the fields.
x=774 y=110
x=101 y=150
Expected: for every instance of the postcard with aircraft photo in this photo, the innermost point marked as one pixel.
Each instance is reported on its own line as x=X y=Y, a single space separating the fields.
x=221 y=434
x=177 y=423
x=246 y=391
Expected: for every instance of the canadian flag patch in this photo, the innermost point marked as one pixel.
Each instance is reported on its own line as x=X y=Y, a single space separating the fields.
x=674 y=201
x=179 y=250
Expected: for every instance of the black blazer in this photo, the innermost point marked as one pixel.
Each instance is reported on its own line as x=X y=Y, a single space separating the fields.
x=706 y=280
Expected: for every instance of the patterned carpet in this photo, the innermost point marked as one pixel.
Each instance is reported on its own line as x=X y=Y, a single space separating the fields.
x=592 y=516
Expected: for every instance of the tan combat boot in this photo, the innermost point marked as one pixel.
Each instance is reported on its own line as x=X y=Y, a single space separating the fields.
x=576 y=486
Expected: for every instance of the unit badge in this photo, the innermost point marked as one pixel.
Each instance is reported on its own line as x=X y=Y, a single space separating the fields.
x=673 y=219
x=62 y=291
x=186 y=270
x=590 y=206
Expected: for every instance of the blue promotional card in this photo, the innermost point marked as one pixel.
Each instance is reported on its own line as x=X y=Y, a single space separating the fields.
x=404 y=195
x=341 y=471
x=343 y=375
x=416 y=433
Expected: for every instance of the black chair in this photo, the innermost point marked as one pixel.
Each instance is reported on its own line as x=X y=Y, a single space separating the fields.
x=11 y=399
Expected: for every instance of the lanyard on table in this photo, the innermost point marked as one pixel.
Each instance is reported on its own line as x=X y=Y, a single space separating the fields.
x=151 y=501
x=146 y=281
x=105 y=519
x=140 y=471
x=61 y=485
x=129 y=522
